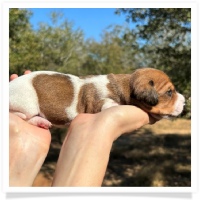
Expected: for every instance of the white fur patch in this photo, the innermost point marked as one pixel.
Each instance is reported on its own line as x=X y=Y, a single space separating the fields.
x=179 y=104
x=23 y=97
x=72 y=109
x=100 y=82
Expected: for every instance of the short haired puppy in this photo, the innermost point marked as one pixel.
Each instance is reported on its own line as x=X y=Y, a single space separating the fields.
x=45 y=98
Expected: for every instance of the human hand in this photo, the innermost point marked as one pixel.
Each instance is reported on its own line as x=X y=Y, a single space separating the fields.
x=28 y=147
x=85 y=152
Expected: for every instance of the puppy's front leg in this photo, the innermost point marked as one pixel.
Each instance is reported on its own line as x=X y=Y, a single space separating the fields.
x=108 y=103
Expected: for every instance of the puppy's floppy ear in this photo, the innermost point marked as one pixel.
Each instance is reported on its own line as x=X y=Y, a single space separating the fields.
x=143 y=89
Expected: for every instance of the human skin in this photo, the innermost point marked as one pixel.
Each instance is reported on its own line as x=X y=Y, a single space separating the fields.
x=28 y=147
x=85 y=151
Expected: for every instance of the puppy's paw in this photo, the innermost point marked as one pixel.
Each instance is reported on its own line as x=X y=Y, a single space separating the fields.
x=40 y=122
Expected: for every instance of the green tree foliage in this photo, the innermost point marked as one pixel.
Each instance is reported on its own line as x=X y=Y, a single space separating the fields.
x=54 y=46
x=18 y=23
x=114 y=54
x=164 y=35
x=20 y=40
x=61 y=48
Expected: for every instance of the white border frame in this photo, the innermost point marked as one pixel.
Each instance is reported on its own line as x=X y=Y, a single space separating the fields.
x=96 y=4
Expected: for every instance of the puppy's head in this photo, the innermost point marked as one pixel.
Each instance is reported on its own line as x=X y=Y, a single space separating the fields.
x=152 y=90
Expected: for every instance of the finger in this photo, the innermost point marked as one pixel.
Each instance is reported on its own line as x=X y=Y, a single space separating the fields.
x=27 y=72
x=13 y=76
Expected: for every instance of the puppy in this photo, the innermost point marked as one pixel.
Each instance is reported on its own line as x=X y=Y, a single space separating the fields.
x=45 y=98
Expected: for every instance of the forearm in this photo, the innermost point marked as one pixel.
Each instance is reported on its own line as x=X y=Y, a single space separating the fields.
x=85 y=152
x=83 y=158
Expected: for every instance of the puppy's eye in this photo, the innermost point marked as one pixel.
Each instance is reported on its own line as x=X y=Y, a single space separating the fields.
x=151 y=83
x=169 y=92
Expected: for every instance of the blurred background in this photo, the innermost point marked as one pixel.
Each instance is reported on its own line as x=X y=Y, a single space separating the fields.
x=84 y=41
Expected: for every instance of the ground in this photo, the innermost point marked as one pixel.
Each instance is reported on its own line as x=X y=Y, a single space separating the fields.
x=155 y=155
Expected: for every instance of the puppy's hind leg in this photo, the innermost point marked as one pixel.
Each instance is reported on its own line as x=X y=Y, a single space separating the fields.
x=40 y=122
x=35 y=120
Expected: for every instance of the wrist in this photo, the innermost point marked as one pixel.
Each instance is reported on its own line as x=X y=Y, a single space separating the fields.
x=125 y=119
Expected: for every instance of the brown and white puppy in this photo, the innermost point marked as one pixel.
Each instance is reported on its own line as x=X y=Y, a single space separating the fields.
x=45 y=98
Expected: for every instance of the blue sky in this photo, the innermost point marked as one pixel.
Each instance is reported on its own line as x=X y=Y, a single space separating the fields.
x=91 y=20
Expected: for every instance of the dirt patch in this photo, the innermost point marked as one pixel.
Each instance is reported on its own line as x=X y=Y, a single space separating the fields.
x=178 y=126
x=155 y=155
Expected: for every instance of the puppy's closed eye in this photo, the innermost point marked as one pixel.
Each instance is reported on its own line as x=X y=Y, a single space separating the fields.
x=169 y=92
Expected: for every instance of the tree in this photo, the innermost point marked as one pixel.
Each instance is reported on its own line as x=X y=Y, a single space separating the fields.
x=56 y=46
x=114 y=54
x=61 y=47
x=18 y=23
x=19 y=36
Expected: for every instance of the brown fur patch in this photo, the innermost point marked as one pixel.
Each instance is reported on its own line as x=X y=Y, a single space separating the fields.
x=55 y=93
x=119 y=88
x=88 y=99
